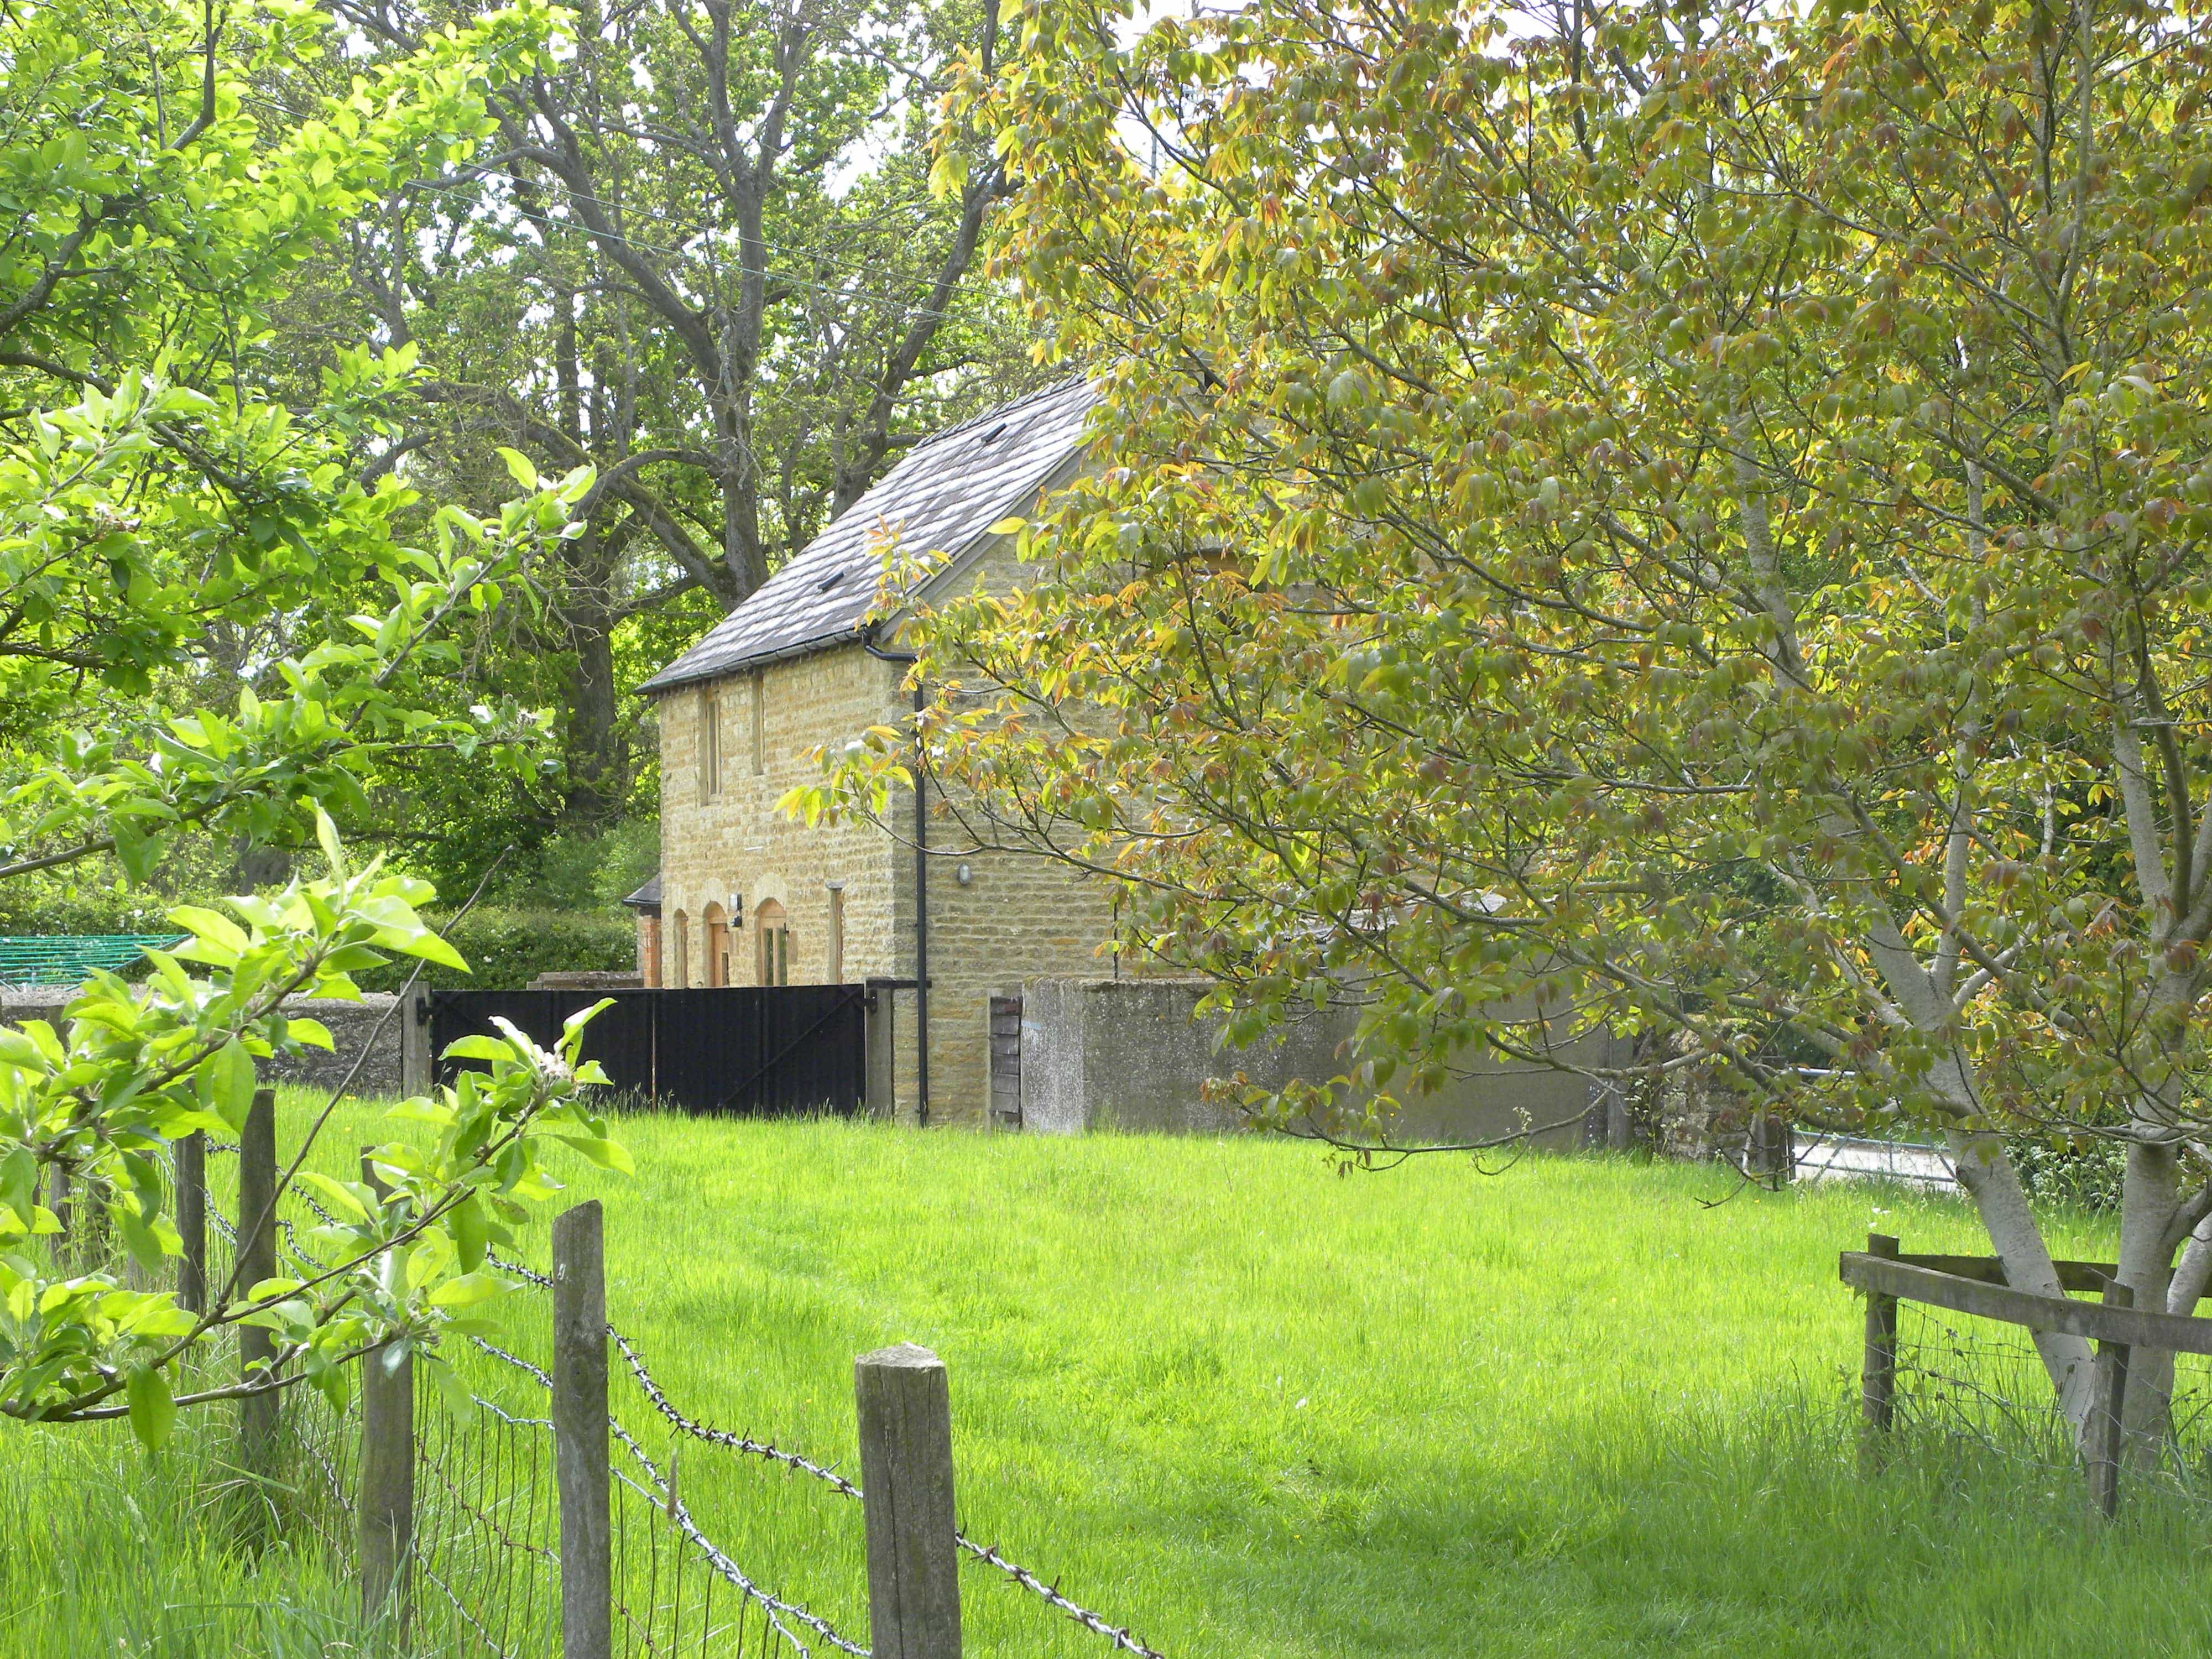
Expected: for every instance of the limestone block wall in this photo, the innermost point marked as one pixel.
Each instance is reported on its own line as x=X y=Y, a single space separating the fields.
x=721 y=838
x=1017 y=917
x=725 y=849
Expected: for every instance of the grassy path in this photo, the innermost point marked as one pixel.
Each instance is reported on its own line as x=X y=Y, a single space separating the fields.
x=1252 y=1408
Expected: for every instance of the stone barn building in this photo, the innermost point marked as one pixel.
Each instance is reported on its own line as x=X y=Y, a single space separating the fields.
x=746 y=896
x=991 y=1002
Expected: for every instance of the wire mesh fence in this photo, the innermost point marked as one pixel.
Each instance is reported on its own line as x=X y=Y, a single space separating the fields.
x=481 y=1574
x=1980 y=1388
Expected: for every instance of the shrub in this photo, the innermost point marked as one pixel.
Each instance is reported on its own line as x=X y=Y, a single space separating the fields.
x=2085 y=1175
x=508 y=949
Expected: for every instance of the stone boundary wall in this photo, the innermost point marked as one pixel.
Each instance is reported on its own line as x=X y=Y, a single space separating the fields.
x=1127 y=1054
x=353 y=1026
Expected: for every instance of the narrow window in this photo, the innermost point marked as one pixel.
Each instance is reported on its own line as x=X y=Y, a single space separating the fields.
x=760 y=724
x=680 y=952
x=774 y=947
x=837 y=934
x=710 y=745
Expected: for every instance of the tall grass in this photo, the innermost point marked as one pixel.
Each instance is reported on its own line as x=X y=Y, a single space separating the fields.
x=105 y=1551
x=1254 y=1408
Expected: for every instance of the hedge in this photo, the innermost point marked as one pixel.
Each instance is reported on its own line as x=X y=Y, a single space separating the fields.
x=508 y=949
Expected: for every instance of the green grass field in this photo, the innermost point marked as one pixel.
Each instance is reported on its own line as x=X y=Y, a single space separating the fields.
x=1250 y=1407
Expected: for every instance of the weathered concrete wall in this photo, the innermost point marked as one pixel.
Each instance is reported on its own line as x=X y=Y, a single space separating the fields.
x=353 y=1026
x=1099 y=1054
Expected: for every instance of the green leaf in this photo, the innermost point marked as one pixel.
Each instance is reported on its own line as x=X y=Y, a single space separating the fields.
x=326 y=834
x=335 y=1384
x=467 y=1291
x=472 y=1230
x=137 y=851
x=211 y=927
x=948 y=174
x=431 y=948
x=447 y=1382
x=19 y=1182
x=607 y=1154
x=312 y=1032
x=478 y=1047
x=229 y=1072
x=153 y=1410
x=520 y=467
x=337 y=1193
x=141 y=1240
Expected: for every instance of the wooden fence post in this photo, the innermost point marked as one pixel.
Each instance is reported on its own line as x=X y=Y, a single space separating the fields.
x=257 y=1259
x=386 y=1505
x=906 y=1473
x=1878 y=1372
x=580 y=1433
x=416 y=1060
x=58 y=1200
x=192 y=1220
x=2107 y=1435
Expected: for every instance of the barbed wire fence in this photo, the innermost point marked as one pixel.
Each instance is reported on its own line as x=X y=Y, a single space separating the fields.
x=484 y=1565
x=1980 y=1389
x=1952 y=1368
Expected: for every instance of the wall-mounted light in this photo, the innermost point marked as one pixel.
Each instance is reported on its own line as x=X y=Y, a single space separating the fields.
x=737 y=910
x=963 y=875
x=835 y=885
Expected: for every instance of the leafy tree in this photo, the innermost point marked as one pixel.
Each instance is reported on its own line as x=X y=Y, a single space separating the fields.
x=703 y=257
x=1673 y=518
x=161 y=513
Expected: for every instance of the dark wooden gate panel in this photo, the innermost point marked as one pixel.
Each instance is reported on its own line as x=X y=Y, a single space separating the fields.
x=765 y=1050
x=751 y=1050
x=621 y=1038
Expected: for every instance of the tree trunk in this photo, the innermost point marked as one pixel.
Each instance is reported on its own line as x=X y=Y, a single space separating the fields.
x=597 y=774
x=1986 y=1170
x=2150 y=1194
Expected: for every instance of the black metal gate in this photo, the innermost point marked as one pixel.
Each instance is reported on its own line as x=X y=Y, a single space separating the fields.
x=751 y=1050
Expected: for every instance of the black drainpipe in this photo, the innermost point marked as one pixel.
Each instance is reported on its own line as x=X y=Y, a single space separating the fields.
x=920 y=902
x=921 y=923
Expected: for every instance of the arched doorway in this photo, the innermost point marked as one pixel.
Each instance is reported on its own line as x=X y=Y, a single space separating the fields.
x=773 y=965
x=718 y=945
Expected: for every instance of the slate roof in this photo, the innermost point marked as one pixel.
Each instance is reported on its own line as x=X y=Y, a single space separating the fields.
x=647 y=897
x=943 y=497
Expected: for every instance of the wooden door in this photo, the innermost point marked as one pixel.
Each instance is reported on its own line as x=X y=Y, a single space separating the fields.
x=717 y=948
x=1006 y=1062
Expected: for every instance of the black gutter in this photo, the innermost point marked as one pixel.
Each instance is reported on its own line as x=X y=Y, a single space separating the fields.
x=659 y=687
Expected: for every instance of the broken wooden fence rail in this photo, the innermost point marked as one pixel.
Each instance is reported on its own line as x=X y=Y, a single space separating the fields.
x=1975 y=1285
